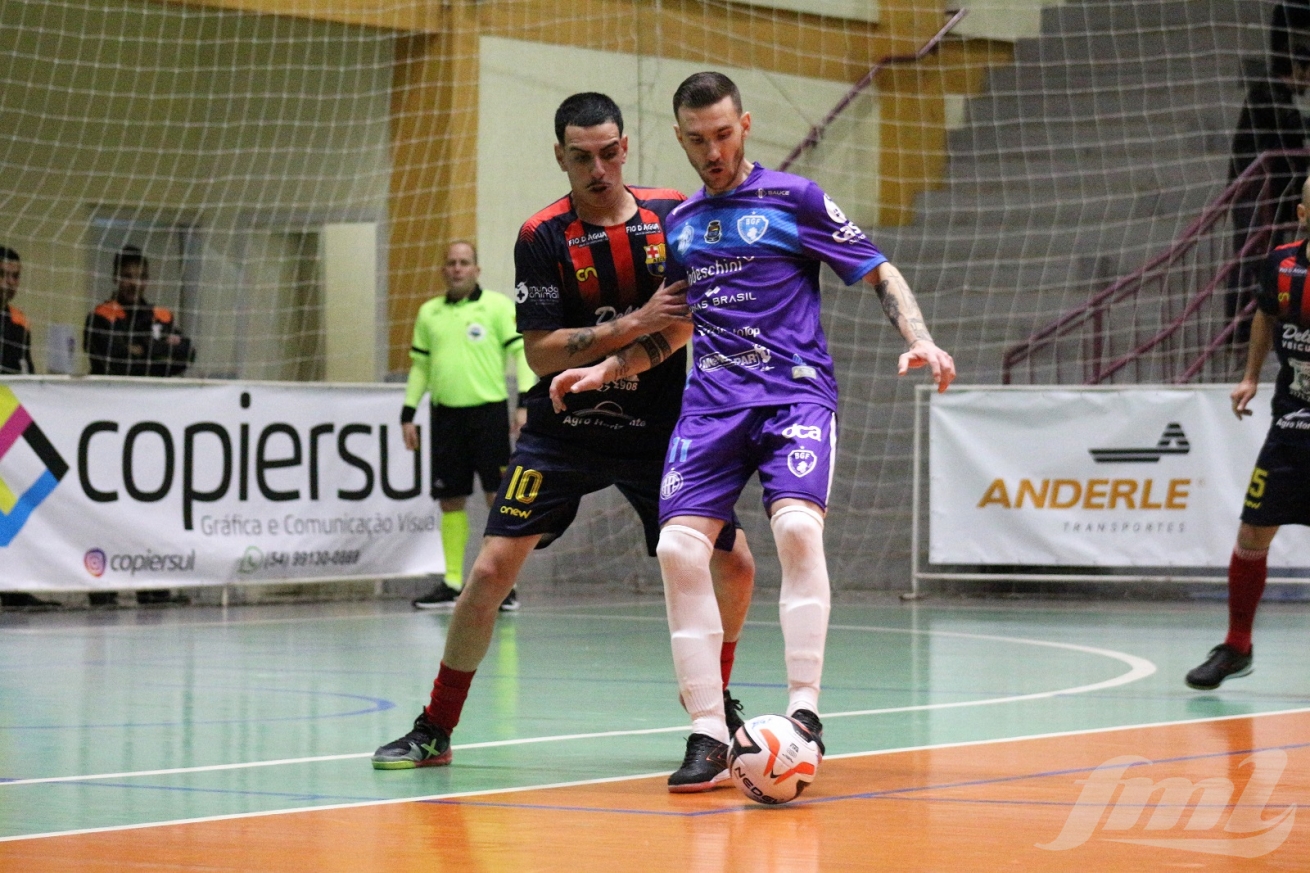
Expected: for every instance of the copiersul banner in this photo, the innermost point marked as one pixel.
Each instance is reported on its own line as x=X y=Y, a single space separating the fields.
x=113 y=483
x=1122 y=477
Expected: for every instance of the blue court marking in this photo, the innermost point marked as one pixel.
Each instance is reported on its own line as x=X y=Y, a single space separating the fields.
x=888 y=794
x=185 y=789
x=378 y=705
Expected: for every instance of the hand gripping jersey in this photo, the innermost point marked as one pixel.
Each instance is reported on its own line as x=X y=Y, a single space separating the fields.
x=1284 y=295
x=751 y=259
x=570 y=274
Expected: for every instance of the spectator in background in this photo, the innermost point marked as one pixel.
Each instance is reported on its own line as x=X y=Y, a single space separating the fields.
x=15 y=357
x=127 y=336
x=1270 y=121
x=463 y=342
x=15 y=335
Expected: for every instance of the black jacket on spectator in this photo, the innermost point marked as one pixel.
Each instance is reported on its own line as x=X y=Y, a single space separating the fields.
x=133 y=341
x=15 y=342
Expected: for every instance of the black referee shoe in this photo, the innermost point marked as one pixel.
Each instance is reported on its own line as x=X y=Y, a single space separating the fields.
x=441 y=597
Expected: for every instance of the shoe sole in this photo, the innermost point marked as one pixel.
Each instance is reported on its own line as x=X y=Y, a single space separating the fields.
x=405 y=764
x=434 y=607
x=1238 y=675
x=698 y=787
x=513 y=607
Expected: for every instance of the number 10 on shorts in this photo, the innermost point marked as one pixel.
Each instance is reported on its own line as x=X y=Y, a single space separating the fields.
x=524 y=485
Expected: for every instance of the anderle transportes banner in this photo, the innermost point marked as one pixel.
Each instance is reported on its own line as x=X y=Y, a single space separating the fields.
x=1090 y=477
x=109 y=484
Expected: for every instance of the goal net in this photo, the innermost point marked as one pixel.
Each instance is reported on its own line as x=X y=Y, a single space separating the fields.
x=1012 y=164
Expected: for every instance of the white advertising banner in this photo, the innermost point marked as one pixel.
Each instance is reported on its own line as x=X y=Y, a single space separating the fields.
x=137 y=484
x=1115 y=477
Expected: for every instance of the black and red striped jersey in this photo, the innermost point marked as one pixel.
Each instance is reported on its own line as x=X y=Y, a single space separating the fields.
x=1284 y=295
x=571 y=274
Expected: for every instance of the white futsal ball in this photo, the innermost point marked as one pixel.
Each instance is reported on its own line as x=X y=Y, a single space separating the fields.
x=772 y=759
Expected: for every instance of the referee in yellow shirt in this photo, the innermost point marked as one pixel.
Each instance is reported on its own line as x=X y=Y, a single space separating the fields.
x=463 y=342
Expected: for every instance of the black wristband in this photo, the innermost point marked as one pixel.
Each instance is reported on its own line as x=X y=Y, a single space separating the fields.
x=407 y=414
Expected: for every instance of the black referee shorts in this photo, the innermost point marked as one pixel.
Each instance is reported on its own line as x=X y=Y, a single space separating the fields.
x=546 y=480
x=468 y=440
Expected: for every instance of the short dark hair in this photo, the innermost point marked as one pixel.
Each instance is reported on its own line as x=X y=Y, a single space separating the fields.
x=8 y=254
x=587 y=109
x=705 y=89
x=128 y=256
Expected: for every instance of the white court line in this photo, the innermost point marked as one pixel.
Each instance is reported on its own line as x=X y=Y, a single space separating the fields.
x=455 y=795
x=1140 y=668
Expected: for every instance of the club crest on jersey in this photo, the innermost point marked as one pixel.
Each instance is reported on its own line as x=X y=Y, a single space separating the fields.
x=475 y=332
x=714 y=232
x=752 y=228
x=802 y=462
x=655 y=259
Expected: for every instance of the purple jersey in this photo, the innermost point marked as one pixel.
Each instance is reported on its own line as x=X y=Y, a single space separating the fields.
x=751 y=258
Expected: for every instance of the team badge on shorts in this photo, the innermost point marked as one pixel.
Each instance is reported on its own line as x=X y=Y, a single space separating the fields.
x=671 y=485
x=801 y=462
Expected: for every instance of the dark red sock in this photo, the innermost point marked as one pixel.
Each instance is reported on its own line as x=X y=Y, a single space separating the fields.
x=448 y=694
x=1246 y=584
x=727 y=655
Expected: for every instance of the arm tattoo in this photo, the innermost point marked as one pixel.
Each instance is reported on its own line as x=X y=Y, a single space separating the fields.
x=579 y=341
x=656 y=346
x=891 y=305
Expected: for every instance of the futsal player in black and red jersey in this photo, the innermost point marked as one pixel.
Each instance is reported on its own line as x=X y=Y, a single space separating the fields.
x=1279 y=492
x=589 y=272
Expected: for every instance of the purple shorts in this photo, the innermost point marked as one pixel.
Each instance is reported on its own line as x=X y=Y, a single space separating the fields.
x=711 y=458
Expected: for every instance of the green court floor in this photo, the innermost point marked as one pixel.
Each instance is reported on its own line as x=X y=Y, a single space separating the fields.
x=137 y=716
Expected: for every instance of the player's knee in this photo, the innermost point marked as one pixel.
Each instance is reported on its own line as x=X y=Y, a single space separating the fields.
x=680 y=545
x=798 y=526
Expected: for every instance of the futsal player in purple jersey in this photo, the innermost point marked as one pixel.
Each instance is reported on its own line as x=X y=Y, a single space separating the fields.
x=761 y=398
x=589 y=275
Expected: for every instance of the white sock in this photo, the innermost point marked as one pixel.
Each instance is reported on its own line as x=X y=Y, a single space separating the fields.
x=804 y=602
x=695 y=627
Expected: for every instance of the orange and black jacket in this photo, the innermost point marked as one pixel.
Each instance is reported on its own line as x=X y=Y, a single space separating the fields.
x=15 y=342
x=133 y=341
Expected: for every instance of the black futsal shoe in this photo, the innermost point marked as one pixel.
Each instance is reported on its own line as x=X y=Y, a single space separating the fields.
x=810 y=722
x=1224 y=662
x=703 y=768
x=511 y=602
x=441 y=597
x=425 y=746
x=732 y=709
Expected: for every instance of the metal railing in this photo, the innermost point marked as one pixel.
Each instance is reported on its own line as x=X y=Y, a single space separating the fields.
x=816 y=132
x=1168 y=321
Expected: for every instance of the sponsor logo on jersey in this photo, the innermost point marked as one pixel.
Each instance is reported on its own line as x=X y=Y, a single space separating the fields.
x=848 y=232
x=655 y=257
x=755 y=359
x=646 y=228
x=802 y=462
x=1295 y=339
x=834 y=211
x=671 y=484
x=752 y=228
x=803 y=432
x=475 y=332
x=714 y=232
x=523 y=292
x=717 y=268
x=1298 y=420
